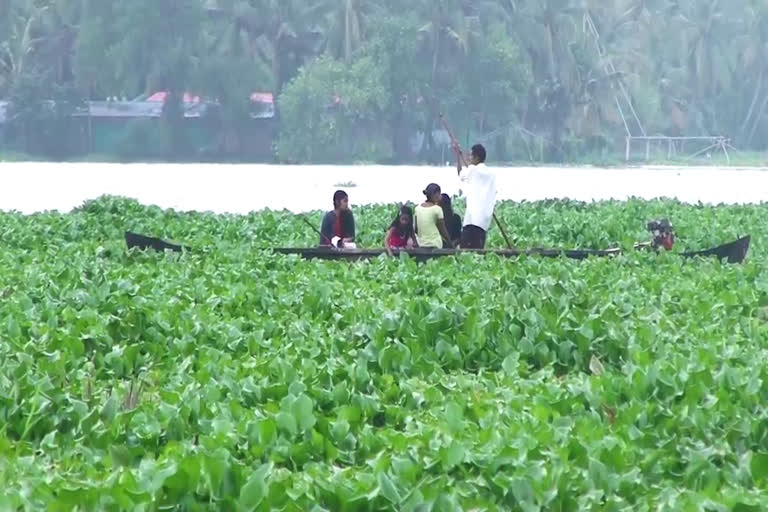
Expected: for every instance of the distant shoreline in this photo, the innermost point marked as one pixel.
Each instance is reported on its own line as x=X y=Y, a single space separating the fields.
x=741 y=160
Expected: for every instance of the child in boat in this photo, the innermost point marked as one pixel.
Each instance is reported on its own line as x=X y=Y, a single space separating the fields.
x=338 y=228
x=452 y=220
x=400 y=234
x=430 y=220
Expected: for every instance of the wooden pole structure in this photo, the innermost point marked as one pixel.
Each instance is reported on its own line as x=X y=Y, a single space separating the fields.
x=322 y=236
x=460 y=155
x=628 y=148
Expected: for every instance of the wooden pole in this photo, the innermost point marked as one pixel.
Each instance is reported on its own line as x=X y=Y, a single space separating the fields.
x=628 y=147
x=460 y=155
x=322 y=236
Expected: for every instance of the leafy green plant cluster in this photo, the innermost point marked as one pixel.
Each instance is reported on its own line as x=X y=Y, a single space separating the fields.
x=536 y=81
x=232 y=378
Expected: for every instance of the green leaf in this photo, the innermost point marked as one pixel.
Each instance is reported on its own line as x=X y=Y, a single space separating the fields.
x=454 y=416
x=388 y=489
x=341 y=393
x=595 y=366
x=49 y=441
x=744 y=507
x=340 y=429
x=12 y=328
x=109 y=410
x=758 y=466
x=256 y=488
x=452 y=456
x=267 y=431
x=509 y=365
x=302 y=409
x=287 y=424
x=297 y=388
x=121 y=455
x=526 y=347
x=523 y=493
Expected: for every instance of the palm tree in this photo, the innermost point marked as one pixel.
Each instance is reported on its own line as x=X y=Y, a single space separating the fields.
x=347 y=25
x=550 y=32
x=21 y=43
x=753 y=67
x=231 y=71
x=444 y=43
x=285 y=33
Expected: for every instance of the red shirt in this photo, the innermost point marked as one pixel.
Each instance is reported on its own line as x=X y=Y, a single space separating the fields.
x=398 y=241
x=337 y=231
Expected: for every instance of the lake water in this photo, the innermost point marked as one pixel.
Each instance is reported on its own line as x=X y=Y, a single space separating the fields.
x=33 y=187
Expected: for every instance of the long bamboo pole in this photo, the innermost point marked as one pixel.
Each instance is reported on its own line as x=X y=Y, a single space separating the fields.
x=322 y=236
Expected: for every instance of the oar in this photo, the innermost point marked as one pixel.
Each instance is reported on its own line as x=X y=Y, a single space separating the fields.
x=322 y=236
x=460 y=155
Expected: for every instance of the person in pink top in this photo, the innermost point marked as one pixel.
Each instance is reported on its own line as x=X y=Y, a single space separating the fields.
x=400 y=234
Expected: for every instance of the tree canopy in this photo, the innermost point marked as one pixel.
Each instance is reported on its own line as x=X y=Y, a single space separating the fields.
x=363 y=80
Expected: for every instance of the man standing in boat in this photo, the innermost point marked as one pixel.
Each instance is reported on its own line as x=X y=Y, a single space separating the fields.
x=479 y=186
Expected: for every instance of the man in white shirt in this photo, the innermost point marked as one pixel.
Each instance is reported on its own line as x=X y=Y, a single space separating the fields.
x=479 y=186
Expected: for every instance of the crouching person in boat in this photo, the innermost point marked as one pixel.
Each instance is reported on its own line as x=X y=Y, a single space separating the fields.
x=338 y=228
x=430 y=221
x=452 y=220
x=401 y=234
x=479 y=184
x=663 y=236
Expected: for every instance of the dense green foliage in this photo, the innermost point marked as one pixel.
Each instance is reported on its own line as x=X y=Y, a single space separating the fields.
x=235 y=379
x=525 y=76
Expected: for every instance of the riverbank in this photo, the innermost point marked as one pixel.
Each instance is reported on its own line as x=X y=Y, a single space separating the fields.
x=738 y=159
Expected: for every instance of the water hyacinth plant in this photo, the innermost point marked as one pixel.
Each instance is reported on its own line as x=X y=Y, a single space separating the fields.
x=231 y=378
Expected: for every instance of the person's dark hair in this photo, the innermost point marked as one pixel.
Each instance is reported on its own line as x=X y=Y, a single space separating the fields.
x=445 y=203
x=479 y=151
x=338 y=197
x=404 y=210
x=432 y=189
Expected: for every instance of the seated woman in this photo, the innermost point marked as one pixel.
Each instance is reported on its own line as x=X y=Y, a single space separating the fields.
x=338 y=228
x=452 y=220
x=400 y=234
x=430 y=223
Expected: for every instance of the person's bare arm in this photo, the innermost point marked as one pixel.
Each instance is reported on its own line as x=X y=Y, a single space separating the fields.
x=444 y=232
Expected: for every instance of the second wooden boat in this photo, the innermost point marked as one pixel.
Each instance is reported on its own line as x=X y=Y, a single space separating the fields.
x=733 y=252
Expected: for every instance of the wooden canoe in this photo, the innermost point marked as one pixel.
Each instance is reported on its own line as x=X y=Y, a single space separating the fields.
x=133 y=240
x=329 y=253
x=734 y=252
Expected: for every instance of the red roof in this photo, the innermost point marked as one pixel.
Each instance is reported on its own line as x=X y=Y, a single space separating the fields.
x=256 y=97
x=262 y=97
x=162 y=95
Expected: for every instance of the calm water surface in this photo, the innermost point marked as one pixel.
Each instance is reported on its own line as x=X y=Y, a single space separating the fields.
x=33 y=187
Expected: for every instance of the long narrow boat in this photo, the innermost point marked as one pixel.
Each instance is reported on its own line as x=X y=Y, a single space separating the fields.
x=134 y=240
x=329 y=253
x=734 y=252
